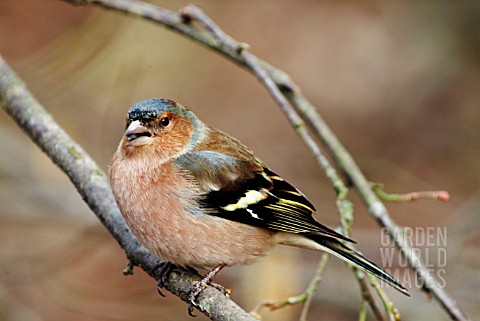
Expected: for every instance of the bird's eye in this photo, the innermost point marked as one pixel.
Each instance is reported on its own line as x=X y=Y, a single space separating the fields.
x=165 y=121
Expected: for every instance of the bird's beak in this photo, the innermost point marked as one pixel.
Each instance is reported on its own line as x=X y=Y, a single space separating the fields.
x=137 y=135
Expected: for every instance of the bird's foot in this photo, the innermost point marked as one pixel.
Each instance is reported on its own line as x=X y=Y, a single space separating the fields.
x=164 y=270
x=197 y=288
x=193 y=292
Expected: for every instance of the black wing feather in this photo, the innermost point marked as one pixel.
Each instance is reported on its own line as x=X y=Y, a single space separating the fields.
x=284 y=209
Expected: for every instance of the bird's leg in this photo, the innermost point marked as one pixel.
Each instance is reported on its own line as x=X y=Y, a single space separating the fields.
x=217 y=286
x=164 y=270
x=198 y=287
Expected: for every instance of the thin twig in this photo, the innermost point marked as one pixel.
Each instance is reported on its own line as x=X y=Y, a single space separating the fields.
x=313 y=286
x=362 y=313
x=92 y=184
x=392 y=312
x=368 y=297
x=278 y=304
x=409 y=197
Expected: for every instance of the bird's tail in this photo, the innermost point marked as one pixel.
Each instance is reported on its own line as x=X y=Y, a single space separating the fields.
x=340 y=250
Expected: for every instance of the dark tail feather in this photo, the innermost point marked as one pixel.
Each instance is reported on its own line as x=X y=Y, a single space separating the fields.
x=337 y=248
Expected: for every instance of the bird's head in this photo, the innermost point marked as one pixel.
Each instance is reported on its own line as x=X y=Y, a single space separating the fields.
x=162 y=127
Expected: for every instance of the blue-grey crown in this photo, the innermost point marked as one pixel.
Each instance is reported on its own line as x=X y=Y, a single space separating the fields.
x=150 y=109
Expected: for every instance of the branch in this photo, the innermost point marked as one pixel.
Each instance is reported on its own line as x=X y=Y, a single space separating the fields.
x=211 y=36
x=92 y=184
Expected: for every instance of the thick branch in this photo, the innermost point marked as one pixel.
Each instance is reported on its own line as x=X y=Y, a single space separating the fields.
x=92 y=184
x=210 y=36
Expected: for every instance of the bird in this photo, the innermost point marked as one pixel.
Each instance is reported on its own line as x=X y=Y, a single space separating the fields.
x=197 y=197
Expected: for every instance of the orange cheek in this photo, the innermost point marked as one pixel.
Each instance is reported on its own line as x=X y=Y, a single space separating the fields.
x=173 y=140
x=166 y=144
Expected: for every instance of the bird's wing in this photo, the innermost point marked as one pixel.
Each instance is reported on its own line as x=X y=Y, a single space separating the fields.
x=248 y=192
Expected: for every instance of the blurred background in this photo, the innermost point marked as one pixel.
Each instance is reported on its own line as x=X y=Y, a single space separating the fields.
x=397 y=82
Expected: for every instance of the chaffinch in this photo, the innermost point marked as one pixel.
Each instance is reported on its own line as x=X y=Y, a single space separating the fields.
x=196 y=197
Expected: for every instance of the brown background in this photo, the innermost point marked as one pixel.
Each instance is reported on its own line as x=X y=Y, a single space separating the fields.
x=397 y=82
